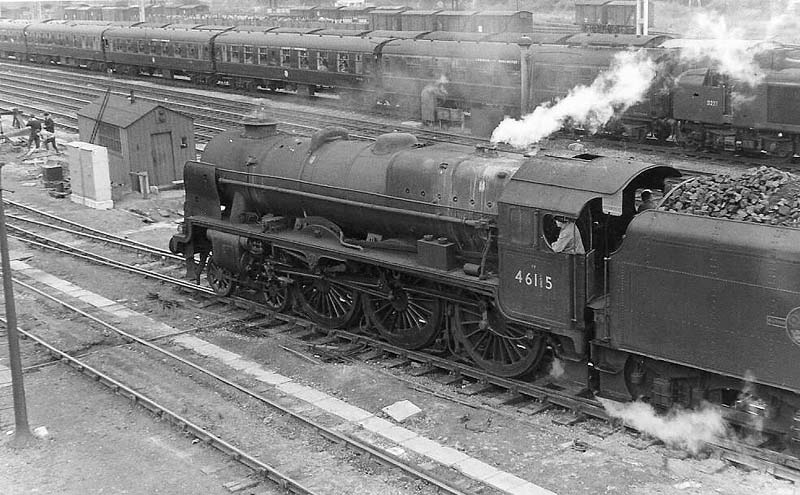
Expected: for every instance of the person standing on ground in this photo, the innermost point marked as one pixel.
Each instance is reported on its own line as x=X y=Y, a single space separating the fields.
x=36 y=128
x=50 y=129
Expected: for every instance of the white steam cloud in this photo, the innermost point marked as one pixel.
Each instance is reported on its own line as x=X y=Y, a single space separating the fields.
x=689 y=430
x=556 y=369
x=615 y=90
x=726 y=48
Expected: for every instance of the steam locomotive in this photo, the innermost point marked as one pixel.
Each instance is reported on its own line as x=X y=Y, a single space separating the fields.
x=484 y=77
x=440 y=246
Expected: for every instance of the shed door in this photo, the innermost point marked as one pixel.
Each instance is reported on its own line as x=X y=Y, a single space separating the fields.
x=163 y=171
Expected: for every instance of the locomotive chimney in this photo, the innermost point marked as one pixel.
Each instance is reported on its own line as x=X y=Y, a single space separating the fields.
x=259 y=125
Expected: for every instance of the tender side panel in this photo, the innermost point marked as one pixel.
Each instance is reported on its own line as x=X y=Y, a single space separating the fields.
x=714 y=294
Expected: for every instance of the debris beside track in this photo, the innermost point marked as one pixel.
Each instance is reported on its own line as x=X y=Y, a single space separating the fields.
x=762 y=195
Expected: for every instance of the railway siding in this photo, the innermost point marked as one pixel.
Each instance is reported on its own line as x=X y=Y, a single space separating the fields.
x=357 y=417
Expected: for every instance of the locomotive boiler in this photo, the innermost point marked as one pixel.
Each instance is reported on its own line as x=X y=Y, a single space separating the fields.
x=393 y=189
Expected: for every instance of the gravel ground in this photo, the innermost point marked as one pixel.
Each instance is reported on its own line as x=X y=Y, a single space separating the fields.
x=98 y=443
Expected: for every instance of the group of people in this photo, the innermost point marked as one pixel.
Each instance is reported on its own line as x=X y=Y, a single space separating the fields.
x=45 y=128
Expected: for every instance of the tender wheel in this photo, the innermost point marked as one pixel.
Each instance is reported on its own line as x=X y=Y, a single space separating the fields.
x=275 y=295
x=503 y=348
x=220 y=279
x=328 y=304
x=405 y=318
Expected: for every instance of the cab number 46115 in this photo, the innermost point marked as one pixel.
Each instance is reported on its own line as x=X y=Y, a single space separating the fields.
x=534 y=280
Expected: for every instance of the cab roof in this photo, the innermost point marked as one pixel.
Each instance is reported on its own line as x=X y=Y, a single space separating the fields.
x=564 y=184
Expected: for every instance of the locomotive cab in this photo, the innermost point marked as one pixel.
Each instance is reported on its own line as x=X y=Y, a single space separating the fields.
x=560 y=218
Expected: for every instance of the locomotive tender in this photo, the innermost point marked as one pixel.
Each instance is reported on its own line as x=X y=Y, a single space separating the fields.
x=481 y=73
x=442 y=246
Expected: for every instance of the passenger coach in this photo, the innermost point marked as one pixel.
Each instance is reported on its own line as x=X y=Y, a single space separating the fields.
x=294 y=61
x=165 y=52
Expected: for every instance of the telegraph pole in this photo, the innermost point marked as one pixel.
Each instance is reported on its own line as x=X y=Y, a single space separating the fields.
x=22 y=432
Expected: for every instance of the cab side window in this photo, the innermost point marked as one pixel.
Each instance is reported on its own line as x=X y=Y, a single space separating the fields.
x=520 y=229
x=550 y=230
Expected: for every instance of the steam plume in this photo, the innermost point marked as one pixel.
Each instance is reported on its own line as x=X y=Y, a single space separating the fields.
x=726 y=48
x=687 y=430
x=613 y=91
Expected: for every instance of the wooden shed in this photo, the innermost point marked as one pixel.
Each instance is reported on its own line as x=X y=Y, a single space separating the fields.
x=141 y=137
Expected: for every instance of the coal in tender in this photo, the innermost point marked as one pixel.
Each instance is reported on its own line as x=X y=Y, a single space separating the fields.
x=762 y=195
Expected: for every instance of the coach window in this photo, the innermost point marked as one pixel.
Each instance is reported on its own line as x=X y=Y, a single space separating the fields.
x=302 y=58
x=192 y=51
x=155 y=48
x=248 y=55
x=342 y=62
x=167 y=49
x=286 y=57
x=179 y=50
x=274 y=57
x=322 y=61
x=140 y=46
x=359 y=64
x=263 y=56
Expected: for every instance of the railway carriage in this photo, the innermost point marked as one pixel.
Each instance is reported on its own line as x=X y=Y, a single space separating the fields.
x=163 y=52
x=503 y=21
x=294 y=61
x=67 y=43
x=457 y=20
x=477 y=76
x=12 y=40
x=387 y=18
x=419 y=20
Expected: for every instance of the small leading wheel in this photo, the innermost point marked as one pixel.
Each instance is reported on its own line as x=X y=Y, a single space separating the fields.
x=275 y=295
x=220 y=279
x=496 y=345
x=327 y=303
x=404 y=317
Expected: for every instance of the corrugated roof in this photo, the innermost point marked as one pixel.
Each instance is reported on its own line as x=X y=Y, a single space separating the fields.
x=119 y=111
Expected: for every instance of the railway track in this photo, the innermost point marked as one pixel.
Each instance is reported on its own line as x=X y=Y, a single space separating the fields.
x=42 y=242
x=250 y=460
x=506 y=396
x=214 y=113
